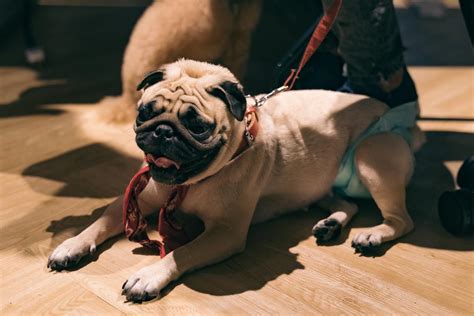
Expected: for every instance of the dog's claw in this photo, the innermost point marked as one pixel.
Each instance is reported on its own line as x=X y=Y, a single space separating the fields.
x=148 y=297
x=67 y=263
x=364 y=249
x=136 y=293
x=69 y=253
x=138 y=298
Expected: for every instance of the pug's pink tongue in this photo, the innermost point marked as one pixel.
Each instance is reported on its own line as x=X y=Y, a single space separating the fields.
x=162 y=162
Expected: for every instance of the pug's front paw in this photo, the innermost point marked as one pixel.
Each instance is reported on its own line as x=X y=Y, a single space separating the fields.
x=68 y=254
x=146 y=284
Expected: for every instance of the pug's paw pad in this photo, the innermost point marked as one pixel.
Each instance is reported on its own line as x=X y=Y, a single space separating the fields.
x=327 y=229
x=69 y=253
x=367 y=242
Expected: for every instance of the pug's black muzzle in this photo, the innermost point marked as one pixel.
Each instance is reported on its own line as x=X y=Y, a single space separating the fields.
x=165 y=136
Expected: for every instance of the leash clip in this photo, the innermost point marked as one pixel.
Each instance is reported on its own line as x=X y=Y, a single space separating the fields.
x=261 y=101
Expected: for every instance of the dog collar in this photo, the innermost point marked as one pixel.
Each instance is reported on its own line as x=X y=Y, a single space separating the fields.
x=250 y=131
x=251 y=125
x=251 y=119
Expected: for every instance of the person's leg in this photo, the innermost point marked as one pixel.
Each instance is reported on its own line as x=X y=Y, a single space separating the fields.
x=370 y=44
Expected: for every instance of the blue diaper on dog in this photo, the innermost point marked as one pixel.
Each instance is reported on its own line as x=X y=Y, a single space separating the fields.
x=397 y=120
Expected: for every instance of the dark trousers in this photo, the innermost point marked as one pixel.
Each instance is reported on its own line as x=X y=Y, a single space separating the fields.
x=369 y=41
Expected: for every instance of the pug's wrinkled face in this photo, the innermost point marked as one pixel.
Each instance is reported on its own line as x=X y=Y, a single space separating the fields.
x=189 y=120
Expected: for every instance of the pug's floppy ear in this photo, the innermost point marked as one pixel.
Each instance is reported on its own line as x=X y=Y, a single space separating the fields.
x=231 y=94
x=150 y=79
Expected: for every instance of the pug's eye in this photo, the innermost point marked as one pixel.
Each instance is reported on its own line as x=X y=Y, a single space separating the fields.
x=197 y=127
x=146 y=111
x=195 y=124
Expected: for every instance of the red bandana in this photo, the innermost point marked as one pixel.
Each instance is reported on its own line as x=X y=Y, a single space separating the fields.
x=171 y=231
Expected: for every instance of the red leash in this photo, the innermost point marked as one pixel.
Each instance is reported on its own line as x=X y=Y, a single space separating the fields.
x=319 y=34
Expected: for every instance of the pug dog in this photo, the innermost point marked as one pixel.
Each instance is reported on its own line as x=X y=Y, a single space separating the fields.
x=192 y=122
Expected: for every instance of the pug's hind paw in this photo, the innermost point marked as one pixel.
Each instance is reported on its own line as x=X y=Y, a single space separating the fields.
x=327 y=229
x=366 y=243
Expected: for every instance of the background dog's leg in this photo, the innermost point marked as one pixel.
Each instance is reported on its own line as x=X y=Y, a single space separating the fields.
x=385 y=164
x=247 y=15
x=237 y=53
x=68 y=253
x=341 y=213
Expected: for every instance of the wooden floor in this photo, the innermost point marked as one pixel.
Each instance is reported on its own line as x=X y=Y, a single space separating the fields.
x=59 y=169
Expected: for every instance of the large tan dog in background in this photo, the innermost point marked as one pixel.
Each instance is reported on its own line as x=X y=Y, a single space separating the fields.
x=206 y=30
x=191 y=122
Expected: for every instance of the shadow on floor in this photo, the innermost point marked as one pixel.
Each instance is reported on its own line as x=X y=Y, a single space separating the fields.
x=267 y=256
x=72 y=226
x=95 y=170
x=85 y=57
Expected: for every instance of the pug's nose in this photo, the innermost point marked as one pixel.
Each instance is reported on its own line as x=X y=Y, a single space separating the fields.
x=164 y=131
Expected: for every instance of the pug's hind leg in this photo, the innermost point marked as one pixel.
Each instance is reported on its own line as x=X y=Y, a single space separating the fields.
x=384 y=164
x=341 y=213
